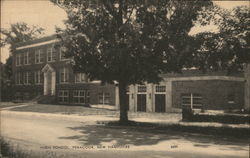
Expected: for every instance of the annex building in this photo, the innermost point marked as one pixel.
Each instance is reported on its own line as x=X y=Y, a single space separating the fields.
x=40 y=69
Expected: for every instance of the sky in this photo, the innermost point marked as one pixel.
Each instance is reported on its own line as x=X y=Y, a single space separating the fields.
x=47 y=15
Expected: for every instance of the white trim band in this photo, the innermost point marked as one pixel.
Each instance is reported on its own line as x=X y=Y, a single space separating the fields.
x=196 y=78
x=38 y=44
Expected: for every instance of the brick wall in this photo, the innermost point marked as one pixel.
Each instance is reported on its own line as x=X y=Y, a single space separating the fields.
x=214 y=93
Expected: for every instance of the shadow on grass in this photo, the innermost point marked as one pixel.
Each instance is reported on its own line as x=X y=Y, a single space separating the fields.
x=139 y=134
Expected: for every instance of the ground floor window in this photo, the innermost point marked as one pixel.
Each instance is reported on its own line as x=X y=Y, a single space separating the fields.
x=81 y=96
x=63 y=96
x=191 y=100
x=104 y=98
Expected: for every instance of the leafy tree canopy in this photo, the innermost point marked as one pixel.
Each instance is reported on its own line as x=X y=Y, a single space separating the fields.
x=129 y=41
x=19 y=32
x=227 y=49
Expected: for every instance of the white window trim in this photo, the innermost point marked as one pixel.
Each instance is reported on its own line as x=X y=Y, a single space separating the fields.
x=63 y=96
x=26 y=56
x=50 y=54
x=18 y=59
x=64 y=76
x=81 y=81
x=60 y=55
x=78 y=96
x=39 y=52
x=18 y=78
x=26 y=74
x=191 y=97
x=38 y=81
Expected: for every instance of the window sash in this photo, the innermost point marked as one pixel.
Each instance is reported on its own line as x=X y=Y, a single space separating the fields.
x=192 y=100
x=62 y=53
x=64 y=75
x=63 y=96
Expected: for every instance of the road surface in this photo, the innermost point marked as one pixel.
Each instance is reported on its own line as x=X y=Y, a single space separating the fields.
x=80 y=135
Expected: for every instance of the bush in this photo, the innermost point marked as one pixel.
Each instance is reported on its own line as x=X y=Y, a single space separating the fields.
x=189 y=115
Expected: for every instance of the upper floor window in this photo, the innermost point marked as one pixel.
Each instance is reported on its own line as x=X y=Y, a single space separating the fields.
x=64 y=75
x=26 y=58
x=62 y=53
x=51 y=54
x=18 y=78
x=38 y=77
x=18 y=59
x=80 y=77
x=38 y=56
x=27 y=77
x=193 y=101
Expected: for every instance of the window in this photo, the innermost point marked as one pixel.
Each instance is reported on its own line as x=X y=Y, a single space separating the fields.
x=64 y=75
x=231 y=98
x=27 y=78
x=142 y=89
x=194 y=101
x=51 y=54
x=38 y=77
x=87 y=99
x=160 y=88
x=80 y=78
x=18 y=78
x=38 y=56
x=63 y=96
x=26 y=58
x=79 y=96
x=62 y=53
x=18 y=59
x=104 y=98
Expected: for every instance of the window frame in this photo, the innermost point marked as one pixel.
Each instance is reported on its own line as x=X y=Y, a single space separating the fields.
x=192 y=103
x=80 y=78
x=26 y=57
x=38 y=53
x=65 y=72
x=51 y=54
x=38 y=77
x=65 y=98
x=18 y=59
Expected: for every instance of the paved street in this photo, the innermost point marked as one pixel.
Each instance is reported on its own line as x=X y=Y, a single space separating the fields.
x=80 y=135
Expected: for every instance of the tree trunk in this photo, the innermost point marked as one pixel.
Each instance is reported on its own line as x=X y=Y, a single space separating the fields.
x=123 y=103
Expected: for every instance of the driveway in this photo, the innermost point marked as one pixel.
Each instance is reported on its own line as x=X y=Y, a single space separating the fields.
x=82 y=136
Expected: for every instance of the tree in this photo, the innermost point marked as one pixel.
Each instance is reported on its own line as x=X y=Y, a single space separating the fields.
x=129 y=41
x=18 y=32
x=227 y=49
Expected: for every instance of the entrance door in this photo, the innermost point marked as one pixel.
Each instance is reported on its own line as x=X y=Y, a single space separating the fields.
x=49 y=83
x=141 y=102
x=160 y=103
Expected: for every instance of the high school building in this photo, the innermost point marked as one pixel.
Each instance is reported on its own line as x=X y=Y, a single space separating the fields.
x=40 y=69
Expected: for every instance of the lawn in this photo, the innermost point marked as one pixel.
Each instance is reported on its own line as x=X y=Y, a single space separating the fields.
x=83 y=111
x=8 y=104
